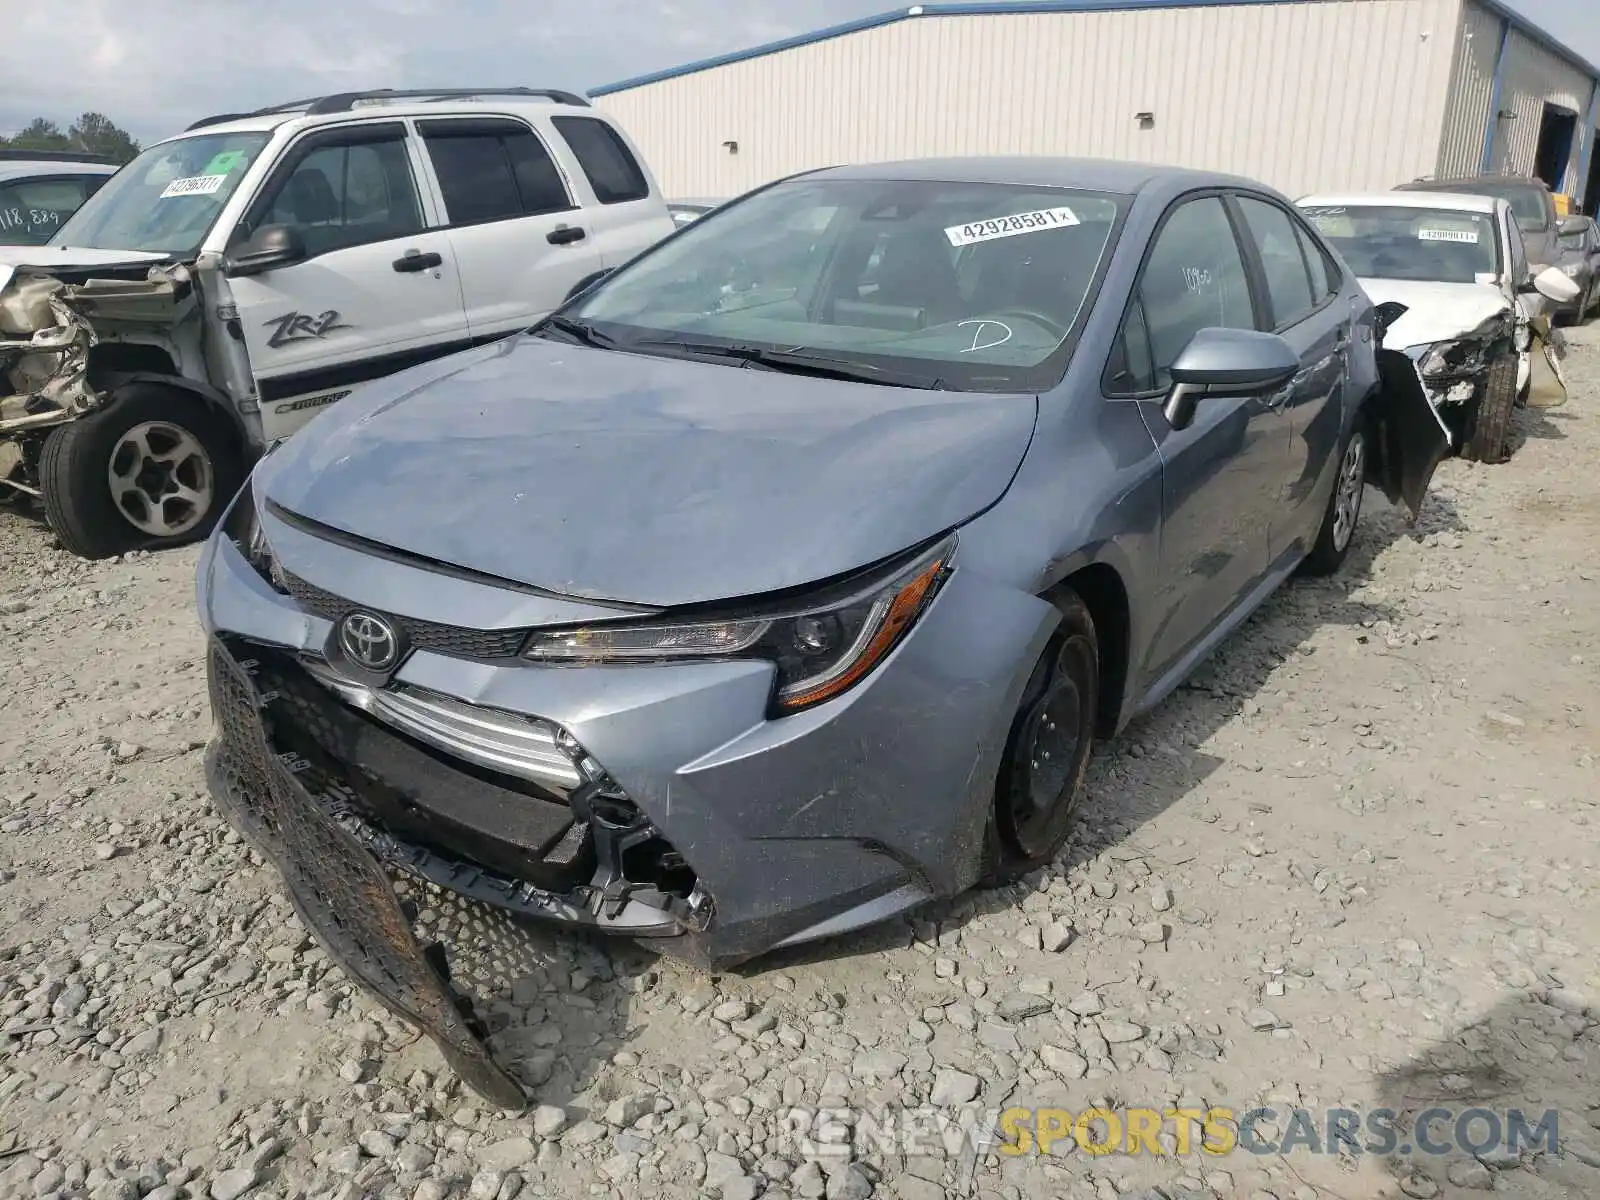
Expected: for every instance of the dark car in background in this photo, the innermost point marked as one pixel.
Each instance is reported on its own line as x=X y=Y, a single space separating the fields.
x=1580 y=261
x=40 y=189
x=803 y=562
x=1531 y=200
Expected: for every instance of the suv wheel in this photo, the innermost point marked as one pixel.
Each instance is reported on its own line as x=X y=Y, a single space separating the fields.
x=153 y=468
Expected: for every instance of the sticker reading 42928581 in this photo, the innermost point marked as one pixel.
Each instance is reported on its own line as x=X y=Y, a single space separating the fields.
x=1010 y=226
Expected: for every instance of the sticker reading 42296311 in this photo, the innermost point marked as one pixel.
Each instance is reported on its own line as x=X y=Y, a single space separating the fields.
x=1011 y=226
x=194 y=185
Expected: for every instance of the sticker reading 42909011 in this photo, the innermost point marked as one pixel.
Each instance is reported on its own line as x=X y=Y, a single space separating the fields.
x=1469 y=236
x=1010 y=226
x=194 y=185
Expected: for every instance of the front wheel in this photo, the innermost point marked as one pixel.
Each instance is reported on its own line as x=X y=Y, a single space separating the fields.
x=1047 y=754
x=154 y=468
x=1343 y=513
x=1488 y=428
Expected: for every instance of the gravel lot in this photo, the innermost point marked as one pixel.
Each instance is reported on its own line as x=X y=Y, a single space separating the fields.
x=1353 y=863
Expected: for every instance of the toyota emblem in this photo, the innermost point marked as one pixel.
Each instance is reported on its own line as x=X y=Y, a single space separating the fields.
x=369 y=641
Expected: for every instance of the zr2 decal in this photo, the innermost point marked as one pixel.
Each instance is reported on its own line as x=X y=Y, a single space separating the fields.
x=300 y=327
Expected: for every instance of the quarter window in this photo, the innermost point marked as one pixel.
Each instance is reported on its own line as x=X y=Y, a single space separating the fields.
x=342 y=194
x=601 y=152
x=1325 y=278
x=493 y=171
x=1194 y=279
x=1288 y=284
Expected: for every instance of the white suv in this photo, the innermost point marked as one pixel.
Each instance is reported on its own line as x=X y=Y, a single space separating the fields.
x=231 y=281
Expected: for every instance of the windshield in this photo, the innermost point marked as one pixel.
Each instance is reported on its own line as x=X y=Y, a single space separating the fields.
x=1528 y=203
x=1426 y=244
x=969 y=286
x=166 y=199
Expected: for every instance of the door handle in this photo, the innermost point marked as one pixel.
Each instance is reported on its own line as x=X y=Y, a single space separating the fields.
x=416 y=260
x=563 y=235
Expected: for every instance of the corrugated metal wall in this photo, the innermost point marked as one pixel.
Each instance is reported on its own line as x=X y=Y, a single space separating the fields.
x=1535 y=77
x=1467 y=109
x=1311 y=95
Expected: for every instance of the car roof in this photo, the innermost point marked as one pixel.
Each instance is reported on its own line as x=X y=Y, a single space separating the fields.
x=1454 y=182
x=1090 y=174
x=29 y=168
x=1452 y=201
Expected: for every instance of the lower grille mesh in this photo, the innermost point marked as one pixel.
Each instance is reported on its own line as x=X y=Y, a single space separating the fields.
x=341 y=893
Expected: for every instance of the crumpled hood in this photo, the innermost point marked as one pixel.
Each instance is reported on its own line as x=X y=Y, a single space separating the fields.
x=71 y=258
x=661 y=482
x=1435 y=312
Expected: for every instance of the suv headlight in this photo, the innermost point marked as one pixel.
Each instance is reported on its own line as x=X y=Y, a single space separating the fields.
x=821 y=650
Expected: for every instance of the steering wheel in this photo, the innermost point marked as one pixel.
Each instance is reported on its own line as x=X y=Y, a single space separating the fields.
x=1049 y=324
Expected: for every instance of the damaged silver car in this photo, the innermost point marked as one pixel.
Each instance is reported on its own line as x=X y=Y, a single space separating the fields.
x=1467 y=307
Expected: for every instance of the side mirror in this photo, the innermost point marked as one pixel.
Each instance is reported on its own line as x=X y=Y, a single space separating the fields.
x=1555 y=284
x=269 y=247
x=1227 y=362
x=1387 y=314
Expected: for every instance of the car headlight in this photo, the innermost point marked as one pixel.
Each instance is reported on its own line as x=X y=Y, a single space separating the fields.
x=821 y=650
x=1448 y=358
x=243 y=526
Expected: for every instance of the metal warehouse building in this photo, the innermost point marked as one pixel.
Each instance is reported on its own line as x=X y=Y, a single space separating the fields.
x=1303 y=94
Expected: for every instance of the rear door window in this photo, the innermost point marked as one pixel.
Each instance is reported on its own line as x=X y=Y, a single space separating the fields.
x=611 y=170
x=492 y=170
x=1288 y=281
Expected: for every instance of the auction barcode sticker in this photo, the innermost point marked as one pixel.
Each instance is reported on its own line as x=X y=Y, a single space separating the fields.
x=1011 y=226
x=1448 y=235
x=194 y=185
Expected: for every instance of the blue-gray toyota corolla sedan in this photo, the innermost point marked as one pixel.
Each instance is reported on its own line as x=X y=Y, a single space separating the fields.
x=785 y=578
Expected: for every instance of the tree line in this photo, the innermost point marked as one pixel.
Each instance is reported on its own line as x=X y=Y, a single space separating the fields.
x=92 y=133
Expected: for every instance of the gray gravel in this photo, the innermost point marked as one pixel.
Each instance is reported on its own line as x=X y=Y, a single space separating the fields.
x=1352 y=863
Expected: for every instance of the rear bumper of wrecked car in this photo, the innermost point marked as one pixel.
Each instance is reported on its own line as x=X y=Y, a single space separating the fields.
x=787 y=830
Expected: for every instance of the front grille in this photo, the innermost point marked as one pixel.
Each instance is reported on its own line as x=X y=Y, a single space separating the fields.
x=340 y=892
x=451 y=640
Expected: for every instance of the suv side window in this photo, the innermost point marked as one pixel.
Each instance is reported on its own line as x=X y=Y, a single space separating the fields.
x=1288 y=280
x=493 y=170
x=349 y=188
x=31 y=210
x=605 y=160
x=1193 y=279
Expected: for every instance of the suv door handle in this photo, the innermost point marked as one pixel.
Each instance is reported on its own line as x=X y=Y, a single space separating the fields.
x=562 y=235
x=416 y=260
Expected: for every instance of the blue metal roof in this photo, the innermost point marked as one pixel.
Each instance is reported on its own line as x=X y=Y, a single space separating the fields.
x=1011 y=7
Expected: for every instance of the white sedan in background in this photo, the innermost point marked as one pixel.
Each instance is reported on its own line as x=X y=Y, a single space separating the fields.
x=1458 y=266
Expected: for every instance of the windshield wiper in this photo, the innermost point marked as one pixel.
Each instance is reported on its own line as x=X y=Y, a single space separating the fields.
x=582 y=331
x=797 y=362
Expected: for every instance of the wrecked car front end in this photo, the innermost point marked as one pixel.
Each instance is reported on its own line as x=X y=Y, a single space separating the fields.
x=1455 y=371
x=70 y=325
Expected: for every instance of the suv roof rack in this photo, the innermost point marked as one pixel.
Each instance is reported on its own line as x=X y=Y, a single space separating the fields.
x=345 y=101
x=10 y=154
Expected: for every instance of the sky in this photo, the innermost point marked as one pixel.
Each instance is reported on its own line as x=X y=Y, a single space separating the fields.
x=153 y=66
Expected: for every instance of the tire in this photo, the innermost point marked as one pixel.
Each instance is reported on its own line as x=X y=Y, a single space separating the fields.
x=1343 y=514
x=1032 y=811
x=178 y=461
x=1487 y=435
